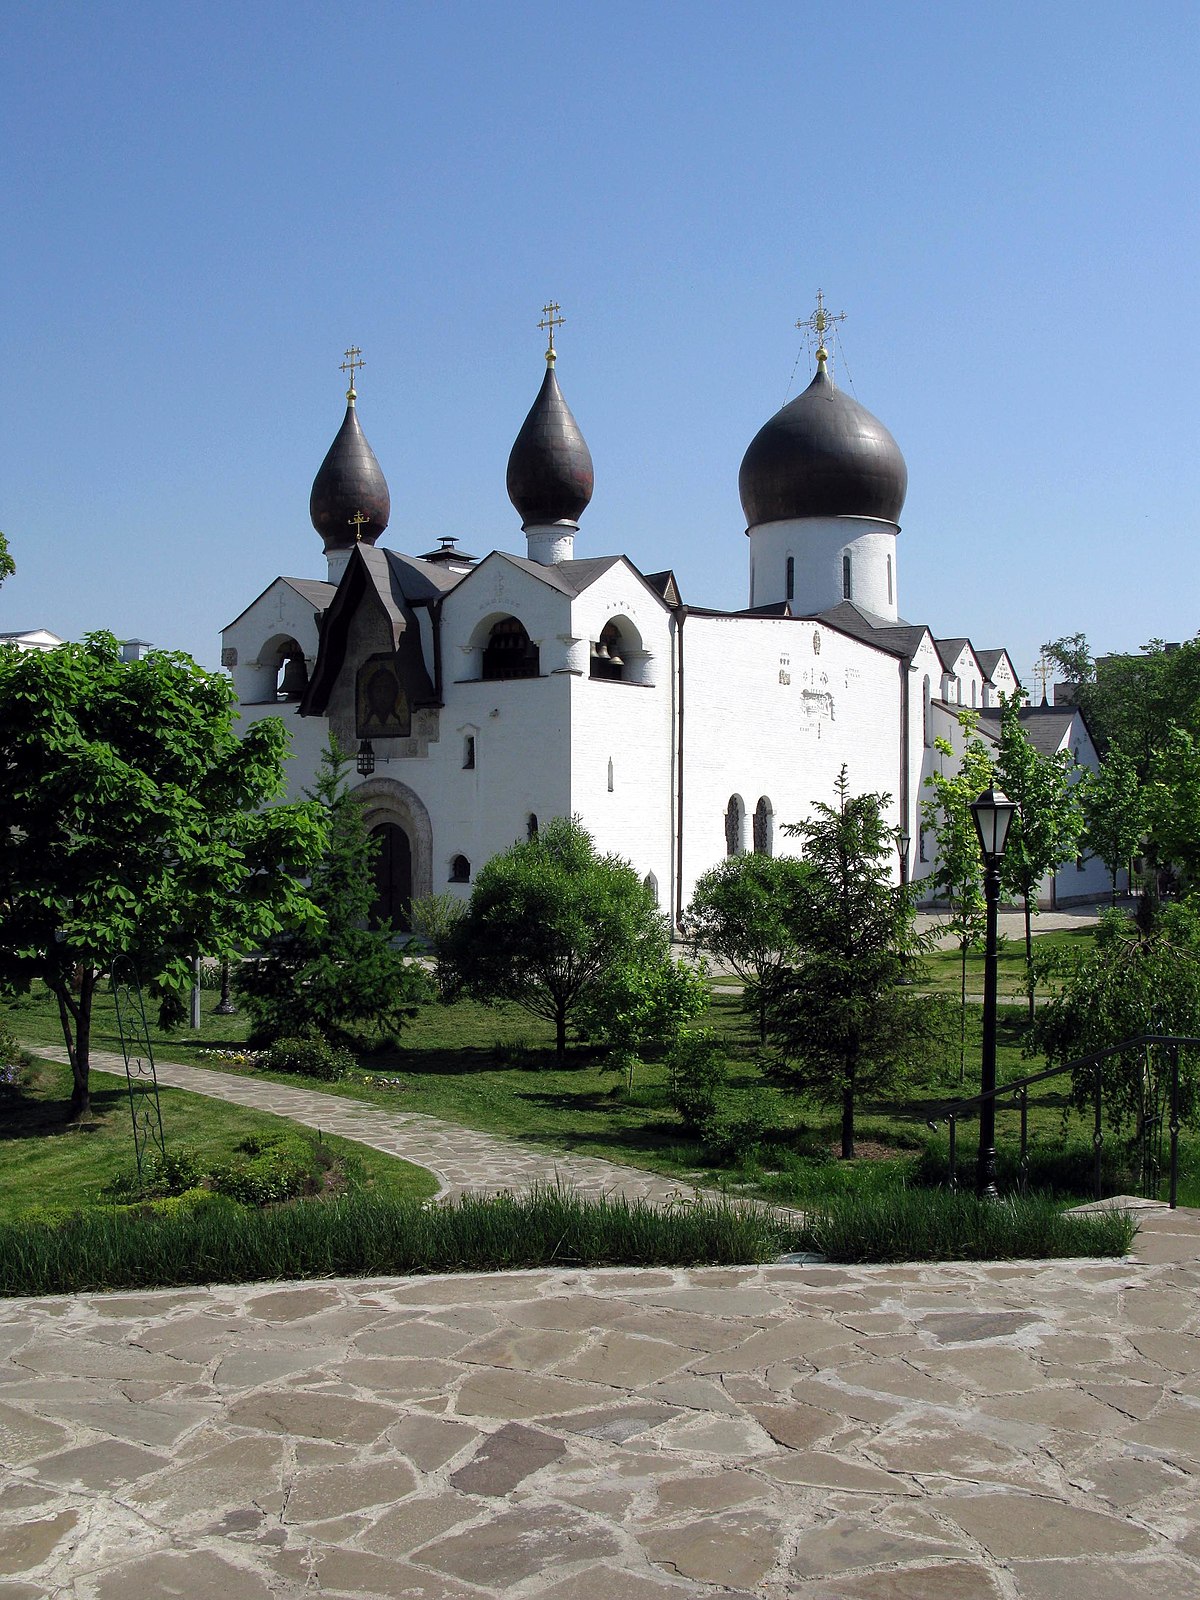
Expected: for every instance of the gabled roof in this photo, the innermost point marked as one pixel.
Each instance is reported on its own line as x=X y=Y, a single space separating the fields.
x=397 y=582
x=312 y=590
x=663 y=584
x=1045 y=726
x=989 y=660
x=901 y=639
x=950 y=650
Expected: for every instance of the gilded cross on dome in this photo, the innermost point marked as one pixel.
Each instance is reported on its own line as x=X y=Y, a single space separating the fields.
x=358 y=522
x=353 y=363
x=819 y=323
x=551 y=320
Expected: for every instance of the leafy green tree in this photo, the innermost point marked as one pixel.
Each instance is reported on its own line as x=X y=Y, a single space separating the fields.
x=746 y=912
x=846 y=1025
x=1048 y=824
x=1131 y=981
x=642 y=1008
x=1172 y=802
x=132 y=823
x=7 y=565
x=1132 y=700
x=549 y=926
x=957 y=876
x=1114 y=812
x=334 y=975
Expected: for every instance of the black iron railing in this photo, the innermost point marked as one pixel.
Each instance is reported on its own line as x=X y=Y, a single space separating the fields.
x=1166 y=1100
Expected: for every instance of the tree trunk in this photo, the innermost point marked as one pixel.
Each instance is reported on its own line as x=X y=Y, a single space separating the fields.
x=962 y=1014
x=1029 y=951
x=848 y=1122
x=76 y=1019
x=560 y=1037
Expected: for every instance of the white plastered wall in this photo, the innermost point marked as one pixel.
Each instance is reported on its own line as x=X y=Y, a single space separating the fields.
x=816 y=545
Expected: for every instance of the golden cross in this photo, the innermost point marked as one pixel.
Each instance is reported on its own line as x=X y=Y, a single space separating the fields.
x=551 y=320
x=352 y=363
x=1043 y=671
x=820 y=321
x=358 y=521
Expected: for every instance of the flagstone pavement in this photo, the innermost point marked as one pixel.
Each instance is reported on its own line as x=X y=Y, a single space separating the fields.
x=1021 y=1431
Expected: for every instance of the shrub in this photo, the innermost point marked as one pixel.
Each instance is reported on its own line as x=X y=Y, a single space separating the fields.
x=265 y=1179
x=311 y=1057
x=697 y=1072
x=734 y=1129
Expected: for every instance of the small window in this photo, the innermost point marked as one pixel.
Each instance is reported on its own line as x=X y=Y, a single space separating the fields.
x=531 y=825
x=610 y=775
x=468 y=752
x=926 y=698
x=974 y=693
x=650 y=884
x=735 y=826
x=846 y=583
x=763 y=818
x=790 y=581
x=460 y=870
x=891 y=600
x=924 y=857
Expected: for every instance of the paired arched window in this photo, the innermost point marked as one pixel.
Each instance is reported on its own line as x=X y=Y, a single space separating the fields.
x=764 y=827
x=509 y=652
x=735 y=826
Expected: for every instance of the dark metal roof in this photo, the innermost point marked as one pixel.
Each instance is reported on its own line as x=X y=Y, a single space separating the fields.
x=989 y=660
x=397 y=583
x=1045 y=726
x=950 y=650
x=316 y=593
x=349 y=481
x=664 y=584
x=550 y=475
x=823 y=455
x=897 y=638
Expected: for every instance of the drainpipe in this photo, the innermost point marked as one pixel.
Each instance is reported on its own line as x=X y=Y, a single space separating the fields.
x=681 y=618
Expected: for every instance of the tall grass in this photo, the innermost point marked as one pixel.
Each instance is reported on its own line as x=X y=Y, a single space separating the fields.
x=364 y=1235
x=938 y=1225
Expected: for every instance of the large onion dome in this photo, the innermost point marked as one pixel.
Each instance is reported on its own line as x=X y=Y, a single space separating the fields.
x=550 y=476
x=349 y=484
x=823 y=455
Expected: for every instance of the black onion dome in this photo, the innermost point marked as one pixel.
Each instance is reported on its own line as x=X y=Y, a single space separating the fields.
x=823 y=455
x=350 y=481
x=550 y=476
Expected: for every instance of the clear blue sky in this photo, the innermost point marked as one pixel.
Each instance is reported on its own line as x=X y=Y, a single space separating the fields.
x=204 y=205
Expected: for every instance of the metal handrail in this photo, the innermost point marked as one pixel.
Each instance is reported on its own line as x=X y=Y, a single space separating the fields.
x=1018 y=1091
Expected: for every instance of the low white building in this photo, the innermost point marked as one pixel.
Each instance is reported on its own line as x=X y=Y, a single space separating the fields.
x=488 y=695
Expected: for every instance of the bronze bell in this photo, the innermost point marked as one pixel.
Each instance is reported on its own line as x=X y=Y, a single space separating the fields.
x=295 y=678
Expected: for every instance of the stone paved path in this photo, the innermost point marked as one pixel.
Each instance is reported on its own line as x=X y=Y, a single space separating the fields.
x=460 y=1158
x=1016 y=1432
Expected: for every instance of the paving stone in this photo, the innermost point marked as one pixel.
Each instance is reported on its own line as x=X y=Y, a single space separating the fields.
x=625 y=1360
x=334 y=1491
x=517 y=1544
x=1129 y=1479
x=818 y=1470
x=796 y=1426
x=952 y=1580
x=289 y=1305
x=24 y=1437
x=1177 y=1352
x=249 y=1368
x=238 y=1472
x=525 y=1350
x=1173 y=1429
x=101 y=1466
x=718 y=1491
x=517 y=1396
x=1154 y=1579
x=844 y=1543
x=962 y=1327
x=506 y=1458
x=727 y=1437
x=608 y=1583
x=27 y=1546
x=398 y=1377
x=793 y=1340
x=416 y=1521
x=736 y=1550
x=162 y=1423
x=409 y=1339
x=313 y=1416
x=1021 y=1527
x=429 y=1442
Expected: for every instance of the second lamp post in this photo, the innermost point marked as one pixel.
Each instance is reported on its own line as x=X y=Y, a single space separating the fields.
x=993 y=812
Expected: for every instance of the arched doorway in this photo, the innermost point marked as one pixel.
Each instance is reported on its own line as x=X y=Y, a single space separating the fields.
x=393 y=877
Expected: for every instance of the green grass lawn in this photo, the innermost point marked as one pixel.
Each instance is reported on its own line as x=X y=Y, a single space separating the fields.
x=493 y=1069
x=943 y=968
x=46 y=1162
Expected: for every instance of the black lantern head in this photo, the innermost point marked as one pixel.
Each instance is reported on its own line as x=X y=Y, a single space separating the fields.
x=366 y=759
x=993 y=813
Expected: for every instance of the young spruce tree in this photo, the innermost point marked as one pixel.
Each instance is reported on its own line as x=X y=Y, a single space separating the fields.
x=335 y=976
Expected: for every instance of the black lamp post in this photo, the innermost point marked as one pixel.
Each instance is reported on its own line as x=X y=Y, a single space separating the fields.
x=993 y=812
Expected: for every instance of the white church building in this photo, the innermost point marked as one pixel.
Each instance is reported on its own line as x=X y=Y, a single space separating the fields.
x=484 y=696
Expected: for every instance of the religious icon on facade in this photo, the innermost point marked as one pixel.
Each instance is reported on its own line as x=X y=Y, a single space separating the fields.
x=381 y=708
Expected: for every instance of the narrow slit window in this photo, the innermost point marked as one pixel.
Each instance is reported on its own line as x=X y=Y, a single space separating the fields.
x=846 y=584
x=790 y=581
x=468 y=752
